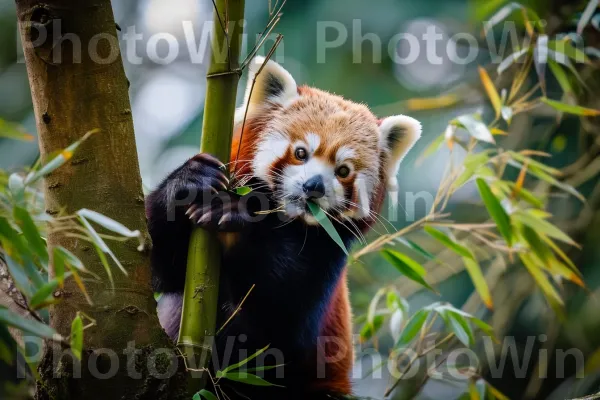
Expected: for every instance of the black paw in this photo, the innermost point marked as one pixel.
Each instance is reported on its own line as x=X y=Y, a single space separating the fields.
x=225 y=212
x=200 y=177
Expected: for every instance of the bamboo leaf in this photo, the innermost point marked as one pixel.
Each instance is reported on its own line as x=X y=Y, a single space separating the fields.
x=241 y=363
x=81 y=286
x=527 y=196
x=587 y=14
x=534 y=163
x=395 y=302
x=565 y=47
x=7 y=346
x=111 y=225
x=448 y=242
x=501 y=15
x=102 y=248
x=540 y=59
x=13 y=131
x=495 y=210
x=105 y=264
x=31 y=233
x=370 y=329
x=432 y=147
x=476 y=128
x=264 y=368
x=449 y=135
x=461 y=329
x=485 y=328
x=248 y=379
x=43 y=293
x=596 y=22
x=498 y=395
x=561 y=77
x=540 y=174
x=324 y=221
x=414 y=246
x=571 y=109
x=204 y=394
x=566 y=62
x=482 y=325
x=108 y=223
x=474 y=270
x=412 y=328
x=26 y=325
x=13 y=242
x=396 y=321
x=544 y=284
x=542 y=226
x=507 y=114
x=76 y=338
x=19 y=277
x=374 y=318
x=16 y=186
x=491 y=91
x=407 y=267
x=511 y=59
x=71 y=259
x=243 y=190
x=560 y=253
x=59 y=160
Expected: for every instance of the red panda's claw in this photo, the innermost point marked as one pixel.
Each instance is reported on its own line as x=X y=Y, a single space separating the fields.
x=205 y=218
x=221 y=186
x=209 y=159
x=225 y=218
x=189 y=212
x=194 y=212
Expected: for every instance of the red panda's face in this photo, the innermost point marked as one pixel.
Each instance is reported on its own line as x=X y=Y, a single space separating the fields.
x=320 y=148
x=315 y=146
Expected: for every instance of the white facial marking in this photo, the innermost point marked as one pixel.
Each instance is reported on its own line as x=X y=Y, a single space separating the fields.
x=269 y=150
x=344 y=153
x=313 y=141
x=363 y=188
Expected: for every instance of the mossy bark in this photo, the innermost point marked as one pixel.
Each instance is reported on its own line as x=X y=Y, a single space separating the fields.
x=78 y=84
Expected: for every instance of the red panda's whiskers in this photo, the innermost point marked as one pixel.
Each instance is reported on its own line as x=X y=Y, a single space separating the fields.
x=357 y=236
x=376 y=216
x=358 y=231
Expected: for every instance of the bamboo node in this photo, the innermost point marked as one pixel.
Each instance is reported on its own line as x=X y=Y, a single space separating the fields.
x=236 y=71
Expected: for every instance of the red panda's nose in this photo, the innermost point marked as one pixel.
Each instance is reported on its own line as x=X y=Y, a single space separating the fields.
x=314 y=187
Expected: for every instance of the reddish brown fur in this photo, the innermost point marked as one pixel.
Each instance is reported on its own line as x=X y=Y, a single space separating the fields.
x=337 y=323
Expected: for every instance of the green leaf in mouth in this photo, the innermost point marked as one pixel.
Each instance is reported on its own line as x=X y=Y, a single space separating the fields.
x=324 y=221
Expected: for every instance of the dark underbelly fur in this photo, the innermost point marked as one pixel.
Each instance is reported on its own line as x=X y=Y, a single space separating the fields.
x=295 y=268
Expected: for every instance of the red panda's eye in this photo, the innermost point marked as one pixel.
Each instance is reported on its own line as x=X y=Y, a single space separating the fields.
x=342 y=171
x=301 y=154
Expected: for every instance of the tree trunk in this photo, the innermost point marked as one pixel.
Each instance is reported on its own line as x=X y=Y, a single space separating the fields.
x=78 y=84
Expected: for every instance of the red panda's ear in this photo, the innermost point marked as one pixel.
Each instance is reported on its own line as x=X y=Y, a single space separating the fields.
x=398 y=134
x=274 y=85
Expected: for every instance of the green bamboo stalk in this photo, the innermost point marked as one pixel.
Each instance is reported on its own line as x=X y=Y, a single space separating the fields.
x=198 y=318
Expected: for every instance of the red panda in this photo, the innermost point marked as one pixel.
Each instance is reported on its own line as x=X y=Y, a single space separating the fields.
x=291 y=145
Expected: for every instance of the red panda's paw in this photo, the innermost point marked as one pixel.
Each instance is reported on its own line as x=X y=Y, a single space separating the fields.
x=195 y=182
x=223 y=213
x=207 y=173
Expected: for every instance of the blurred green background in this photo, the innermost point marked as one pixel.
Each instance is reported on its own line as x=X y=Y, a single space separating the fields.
x=167 y=103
